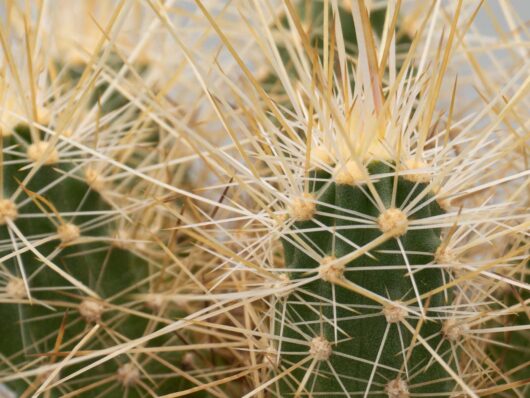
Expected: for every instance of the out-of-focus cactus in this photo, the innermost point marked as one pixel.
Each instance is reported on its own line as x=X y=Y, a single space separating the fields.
x=68 y=271
x=62 y=273
x=312 y=14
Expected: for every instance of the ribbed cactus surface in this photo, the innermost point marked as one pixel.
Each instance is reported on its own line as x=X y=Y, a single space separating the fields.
x=355 y=335
x=59 y=220
x=65 y=270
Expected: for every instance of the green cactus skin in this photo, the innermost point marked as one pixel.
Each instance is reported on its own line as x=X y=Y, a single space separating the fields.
x=29 y=330
x=362 y=327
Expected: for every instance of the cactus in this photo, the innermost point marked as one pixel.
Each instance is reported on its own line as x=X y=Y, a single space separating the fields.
x=37 y=273
x=376 y=290
x=331 y=202
x=348 y=322
x=67 y=271
x=272 y=199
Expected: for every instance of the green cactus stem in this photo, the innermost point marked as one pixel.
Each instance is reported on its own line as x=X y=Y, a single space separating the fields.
x=62 y=212
x=345 y=332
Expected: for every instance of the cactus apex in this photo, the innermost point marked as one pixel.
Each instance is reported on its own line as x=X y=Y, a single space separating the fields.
x=397 y=388
x=395 y=312
x=454 y=331
x=349 y=174
x=329 y=270
x=154 y=301
x=94 y=179
x=444 y=255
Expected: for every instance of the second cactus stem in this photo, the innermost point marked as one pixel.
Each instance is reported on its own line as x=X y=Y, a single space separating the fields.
x=354 y=328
